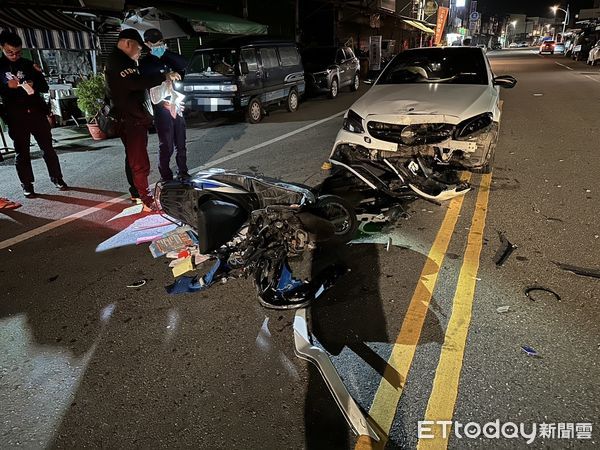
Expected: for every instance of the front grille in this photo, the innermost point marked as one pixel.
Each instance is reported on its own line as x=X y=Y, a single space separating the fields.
x=418 y=134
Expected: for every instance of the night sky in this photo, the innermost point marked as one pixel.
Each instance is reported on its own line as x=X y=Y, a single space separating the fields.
x=531 y=7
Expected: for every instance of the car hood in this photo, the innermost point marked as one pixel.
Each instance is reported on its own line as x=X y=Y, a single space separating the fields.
x=455 y=101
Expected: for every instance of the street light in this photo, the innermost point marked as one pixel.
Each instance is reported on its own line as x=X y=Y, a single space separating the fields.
x=556 y=8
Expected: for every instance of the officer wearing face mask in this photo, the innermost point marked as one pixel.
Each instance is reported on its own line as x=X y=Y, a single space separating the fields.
x=169 y=122
x=128 y=90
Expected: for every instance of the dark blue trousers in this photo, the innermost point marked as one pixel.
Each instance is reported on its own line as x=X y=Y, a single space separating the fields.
x=171 y=137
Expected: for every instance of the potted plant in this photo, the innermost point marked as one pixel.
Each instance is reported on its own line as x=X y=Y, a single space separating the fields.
x=90 y=100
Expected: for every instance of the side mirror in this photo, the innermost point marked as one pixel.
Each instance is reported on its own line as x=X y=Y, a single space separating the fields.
x=505 y=81
x=368 y=81
x=244 y=68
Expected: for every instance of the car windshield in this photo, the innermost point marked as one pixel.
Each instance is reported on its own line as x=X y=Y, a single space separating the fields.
x=214 y=62
x=319 y=57
x=436 y=65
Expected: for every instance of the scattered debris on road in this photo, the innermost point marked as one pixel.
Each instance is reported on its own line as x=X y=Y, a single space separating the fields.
x=505 y=250
x=137 y=284
x=503 y=309
x=184 y=285
x=529 y=351
x=582 y=271
x=532 y=289
x=175 y=240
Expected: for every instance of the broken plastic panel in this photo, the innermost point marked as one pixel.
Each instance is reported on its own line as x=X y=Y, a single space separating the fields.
x=349 y=408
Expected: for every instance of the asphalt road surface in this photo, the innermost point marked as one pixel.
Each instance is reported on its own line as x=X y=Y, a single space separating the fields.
x=414 y=331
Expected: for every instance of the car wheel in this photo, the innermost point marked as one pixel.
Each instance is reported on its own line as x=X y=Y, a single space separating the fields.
x=254 y=113
x=334 y=88
x=292 y=101
x=355 y=83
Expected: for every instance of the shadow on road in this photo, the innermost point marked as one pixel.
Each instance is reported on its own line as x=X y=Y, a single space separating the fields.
x=355 y=318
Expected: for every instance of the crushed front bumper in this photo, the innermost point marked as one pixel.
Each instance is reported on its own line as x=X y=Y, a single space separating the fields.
x=470 y=154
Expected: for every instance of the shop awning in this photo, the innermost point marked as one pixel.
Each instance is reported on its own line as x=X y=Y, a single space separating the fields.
x=212 y=22
x=419 y=26
x=46 y=29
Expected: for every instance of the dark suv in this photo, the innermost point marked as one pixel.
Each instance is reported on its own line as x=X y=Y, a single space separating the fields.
x=327 y=69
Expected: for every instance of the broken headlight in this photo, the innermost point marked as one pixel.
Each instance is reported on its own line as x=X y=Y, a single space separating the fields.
x=353 y=123
x=467 y=128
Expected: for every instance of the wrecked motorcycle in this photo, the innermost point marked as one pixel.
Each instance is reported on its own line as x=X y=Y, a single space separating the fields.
x=260 y=228
x=257 y=227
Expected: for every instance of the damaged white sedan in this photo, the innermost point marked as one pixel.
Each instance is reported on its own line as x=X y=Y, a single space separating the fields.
x=431 y=113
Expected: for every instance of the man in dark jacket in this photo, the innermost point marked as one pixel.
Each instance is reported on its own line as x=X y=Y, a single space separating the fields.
x=25 y=112
x=128 y=90
x=169 y=122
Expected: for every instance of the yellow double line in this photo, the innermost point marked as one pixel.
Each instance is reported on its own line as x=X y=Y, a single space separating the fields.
x=445 y=389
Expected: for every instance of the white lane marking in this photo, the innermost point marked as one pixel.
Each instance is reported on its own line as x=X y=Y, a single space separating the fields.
x=86 y=212
x=266 y=143
x=60 y=222
x=593 y=79
x=566 y=67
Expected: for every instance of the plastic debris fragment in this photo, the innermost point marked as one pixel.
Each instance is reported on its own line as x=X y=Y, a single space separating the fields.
x=503 y=309
x=137 y=284
x=505 y=250
x=529 y=290
x=529 y=351
x=582 y=271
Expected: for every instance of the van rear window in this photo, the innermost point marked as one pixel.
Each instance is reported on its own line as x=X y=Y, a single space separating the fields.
x=289 y=56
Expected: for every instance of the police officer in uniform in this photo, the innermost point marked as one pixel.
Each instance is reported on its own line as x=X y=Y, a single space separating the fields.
x=25 y=112
x=170 y=130
x=128 y=90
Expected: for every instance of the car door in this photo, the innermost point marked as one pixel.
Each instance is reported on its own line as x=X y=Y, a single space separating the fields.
x=252 y=81
x=272 y=75
x=340 y=61
x=352 y=64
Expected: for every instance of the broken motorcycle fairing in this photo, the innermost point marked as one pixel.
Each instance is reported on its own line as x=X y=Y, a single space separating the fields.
x=254 y=226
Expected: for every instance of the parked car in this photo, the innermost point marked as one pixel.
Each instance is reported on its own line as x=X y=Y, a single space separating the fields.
x=594 y=55
x=440 y=105
x=559 y=48
x=513 y=45
x=247 y=74
x=547 y=47
x=522 y=44
x=581 y=50
x=328 y=69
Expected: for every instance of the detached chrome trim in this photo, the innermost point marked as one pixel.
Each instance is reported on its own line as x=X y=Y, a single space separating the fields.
x=367 y=182
x=305 y=350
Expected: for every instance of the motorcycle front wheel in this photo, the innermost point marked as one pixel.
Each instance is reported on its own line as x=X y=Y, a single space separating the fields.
x=341 y=214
